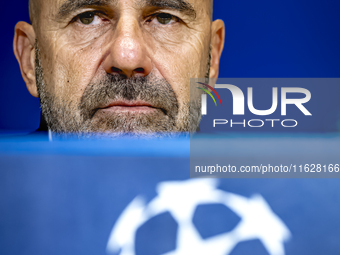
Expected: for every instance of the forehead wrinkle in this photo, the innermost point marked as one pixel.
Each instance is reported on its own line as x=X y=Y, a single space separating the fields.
x=179 y=5
x=70 y=6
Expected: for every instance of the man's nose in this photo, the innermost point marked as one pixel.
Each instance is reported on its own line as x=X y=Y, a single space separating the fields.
x=127 y=53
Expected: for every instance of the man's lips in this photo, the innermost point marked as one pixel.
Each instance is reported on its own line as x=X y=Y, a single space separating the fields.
x=129 y=106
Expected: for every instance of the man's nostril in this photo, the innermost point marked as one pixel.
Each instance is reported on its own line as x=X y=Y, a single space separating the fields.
x=116 y=70
x=139 y=70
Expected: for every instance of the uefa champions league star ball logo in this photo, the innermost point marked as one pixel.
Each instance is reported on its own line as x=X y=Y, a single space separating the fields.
x=181 y=199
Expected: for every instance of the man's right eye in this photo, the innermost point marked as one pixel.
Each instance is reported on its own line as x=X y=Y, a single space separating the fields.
x=89 y=18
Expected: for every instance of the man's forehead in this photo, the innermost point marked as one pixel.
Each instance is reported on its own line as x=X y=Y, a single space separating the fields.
x=183 y=3
x=60 y=3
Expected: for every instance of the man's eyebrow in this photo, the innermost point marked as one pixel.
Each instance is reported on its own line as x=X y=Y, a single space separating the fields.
x=73 y=5
x=178 y=5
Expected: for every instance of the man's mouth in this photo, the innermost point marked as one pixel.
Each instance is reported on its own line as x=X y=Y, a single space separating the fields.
x=129 y=107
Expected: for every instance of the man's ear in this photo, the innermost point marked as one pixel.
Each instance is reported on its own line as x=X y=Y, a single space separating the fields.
x=24 y=51
x=217 y=45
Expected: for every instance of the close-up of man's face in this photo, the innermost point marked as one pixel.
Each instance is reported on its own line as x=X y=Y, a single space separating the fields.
x=118 y=66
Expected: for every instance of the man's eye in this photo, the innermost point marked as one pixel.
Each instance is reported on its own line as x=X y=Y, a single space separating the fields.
x=88 y=18
x=164 y=18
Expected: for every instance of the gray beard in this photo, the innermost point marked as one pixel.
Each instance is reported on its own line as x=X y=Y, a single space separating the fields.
x=84 y=119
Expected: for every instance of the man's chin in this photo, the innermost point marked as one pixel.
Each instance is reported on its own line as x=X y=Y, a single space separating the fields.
x=116 y=122
x=140 y=121
x=116 y=135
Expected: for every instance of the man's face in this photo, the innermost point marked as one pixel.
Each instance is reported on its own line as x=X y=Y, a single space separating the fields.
x=121 y=65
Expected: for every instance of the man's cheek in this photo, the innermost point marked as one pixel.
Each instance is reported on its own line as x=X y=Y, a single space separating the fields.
x=67 y=81
x=84 y=36
x=81 y=47
x=75 y=68
x=167 y=40
x=176 y=56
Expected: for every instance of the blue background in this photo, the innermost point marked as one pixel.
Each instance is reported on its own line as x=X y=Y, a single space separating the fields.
x=64 y=197
x=264 y=38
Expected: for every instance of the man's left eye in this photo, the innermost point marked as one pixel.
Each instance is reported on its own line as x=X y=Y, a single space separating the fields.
x=165 y=18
